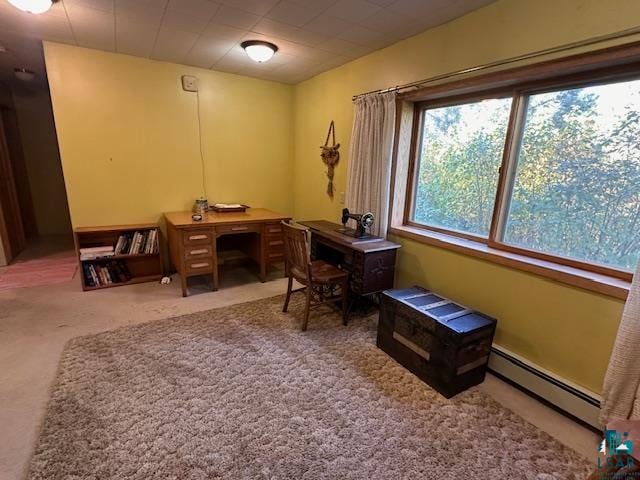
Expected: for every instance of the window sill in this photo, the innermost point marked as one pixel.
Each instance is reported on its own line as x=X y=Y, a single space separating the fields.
x=603 y=284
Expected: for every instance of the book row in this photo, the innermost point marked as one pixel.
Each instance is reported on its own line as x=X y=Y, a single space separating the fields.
x=105 y=273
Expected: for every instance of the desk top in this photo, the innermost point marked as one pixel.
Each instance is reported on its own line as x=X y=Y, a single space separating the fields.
x=251 y=215
x=329 y=231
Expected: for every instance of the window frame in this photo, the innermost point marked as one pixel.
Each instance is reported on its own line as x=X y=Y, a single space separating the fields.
x=484 y=87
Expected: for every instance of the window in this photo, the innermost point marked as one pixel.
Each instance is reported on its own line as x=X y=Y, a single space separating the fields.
x=461 y=151
x=549 y=169
x=576 y=192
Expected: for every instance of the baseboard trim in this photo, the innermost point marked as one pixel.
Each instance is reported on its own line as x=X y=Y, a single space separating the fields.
x=563 y=395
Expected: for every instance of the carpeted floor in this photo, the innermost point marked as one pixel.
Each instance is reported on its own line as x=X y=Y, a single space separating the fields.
x=241 y=393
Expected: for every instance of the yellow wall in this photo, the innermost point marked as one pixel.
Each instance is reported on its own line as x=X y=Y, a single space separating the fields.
x=565 y=330
x=128 y=136
x=40 y=148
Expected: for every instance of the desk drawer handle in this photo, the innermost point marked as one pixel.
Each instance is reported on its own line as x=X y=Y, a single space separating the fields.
x=199 y=251
x=275 y=230
x=198 y=237
x=238 y=229
x=200 y=265
x=276 y=242
x=276 y=255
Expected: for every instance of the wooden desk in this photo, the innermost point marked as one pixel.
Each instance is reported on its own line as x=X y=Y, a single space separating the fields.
x=370 y=263
x=194 y=246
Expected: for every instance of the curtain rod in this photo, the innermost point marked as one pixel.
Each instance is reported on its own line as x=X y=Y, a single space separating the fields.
x=539 y=53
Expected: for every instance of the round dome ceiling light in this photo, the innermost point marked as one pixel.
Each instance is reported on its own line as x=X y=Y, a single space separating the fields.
x=24 y=74
x=33 y=6
x=258 y=50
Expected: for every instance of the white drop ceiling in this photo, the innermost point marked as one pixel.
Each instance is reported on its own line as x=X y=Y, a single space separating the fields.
x=312 y=35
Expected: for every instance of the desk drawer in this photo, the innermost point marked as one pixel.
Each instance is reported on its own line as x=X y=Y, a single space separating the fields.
x=199 y=265
x=273 y=228
x=275 y=256
x=197 y=237
x=238 y=228
x=198 y=251
x=274 y=242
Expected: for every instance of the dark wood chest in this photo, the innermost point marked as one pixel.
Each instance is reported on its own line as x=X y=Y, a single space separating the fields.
x=443 y=343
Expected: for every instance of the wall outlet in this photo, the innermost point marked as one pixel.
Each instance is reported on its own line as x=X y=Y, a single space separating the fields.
x=341 y=198
x=189 y=83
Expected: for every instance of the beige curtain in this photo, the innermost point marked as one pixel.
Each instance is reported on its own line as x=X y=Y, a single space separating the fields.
x=621 y=393
x=369 y=171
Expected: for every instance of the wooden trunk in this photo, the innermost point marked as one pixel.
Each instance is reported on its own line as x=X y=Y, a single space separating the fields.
x=443 y=343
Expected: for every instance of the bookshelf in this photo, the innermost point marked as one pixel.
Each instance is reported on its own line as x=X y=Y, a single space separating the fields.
x=124 y=267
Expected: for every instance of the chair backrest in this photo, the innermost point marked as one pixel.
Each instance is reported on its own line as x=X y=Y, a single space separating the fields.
x=297 y=253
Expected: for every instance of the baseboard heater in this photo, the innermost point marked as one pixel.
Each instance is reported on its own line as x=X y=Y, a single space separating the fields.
x=578 y=402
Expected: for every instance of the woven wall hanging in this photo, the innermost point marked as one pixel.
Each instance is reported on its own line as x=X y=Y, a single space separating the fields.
x=330 y=156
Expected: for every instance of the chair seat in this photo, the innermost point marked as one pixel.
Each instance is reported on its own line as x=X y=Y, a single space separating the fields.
x=324 y=272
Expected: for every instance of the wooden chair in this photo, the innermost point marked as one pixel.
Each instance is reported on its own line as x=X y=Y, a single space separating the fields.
x=320 y=279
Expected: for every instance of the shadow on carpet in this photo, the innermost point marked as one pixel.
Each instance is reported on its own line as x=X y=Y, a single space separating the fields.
x=241 y=393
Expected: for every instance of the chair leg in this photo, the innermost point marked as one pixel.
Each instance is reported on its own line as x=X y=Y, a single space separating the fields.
x=286 y=300
x=345 y=300
x=307 y=307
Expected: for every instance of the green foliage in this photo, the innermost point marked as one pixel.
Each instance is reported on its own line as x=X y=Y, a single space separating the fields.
x=459 y=167
x=577 y=186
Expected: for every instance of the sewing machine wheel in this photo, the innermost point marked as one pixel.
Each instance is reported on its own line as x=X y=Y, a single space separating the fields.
x=367 y=220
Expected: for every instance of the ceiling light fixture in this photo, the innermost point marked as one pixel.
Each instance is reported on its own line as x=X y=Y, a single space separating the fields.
x=259 y=51
x=33 y=6
x=24 y=74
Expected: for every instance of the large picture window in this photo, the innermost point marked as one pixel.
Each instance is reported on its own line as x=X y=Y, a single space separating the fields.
x=551 y=171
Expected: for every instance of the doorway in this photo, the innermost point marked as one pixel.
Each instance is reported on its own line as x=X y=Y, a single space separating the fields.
x=34 y=212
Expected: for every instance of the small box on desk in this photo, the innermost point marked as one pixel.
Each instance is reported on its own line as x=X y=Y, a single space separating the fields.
x=443 y=343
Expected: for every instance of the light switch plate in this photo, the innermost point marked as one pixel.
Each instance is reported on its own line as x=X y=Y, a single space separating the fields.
x=189 y=83
x=341 y=198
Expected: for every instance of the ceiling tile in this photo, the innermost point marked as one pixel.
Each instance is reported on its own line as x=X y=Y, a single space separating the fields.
x=258 y=7
x=173 y=45
x=207 y=51
x=276 y=29
x=321 y=5
x=417 y=8
x=335 y=61
x=353 y=10
x=232 y=62
x=361 y=36
x=382 y=3
x=308 y=38
x=133 y=38
x=384 y=21
x=186 y=22
x=145 y=11
x=204 y=8
x=327 y=24
x=288 y=32
x=224 y=32
x=343 y=47
x=93 y=28
x=235 y=17
x=293 y=13
x=102 y=5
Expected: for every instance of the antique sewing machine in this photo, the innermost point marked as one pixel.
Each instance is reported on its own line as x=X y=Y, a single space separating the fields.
x=363 y=222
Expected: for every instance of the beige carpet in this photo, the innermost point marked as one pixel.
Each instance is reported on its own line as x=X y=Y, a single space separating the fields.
x=241 y=393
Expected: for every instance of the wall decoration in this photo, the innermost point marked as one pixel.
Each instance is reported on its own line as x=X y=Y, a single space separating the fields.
x=330 y=156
